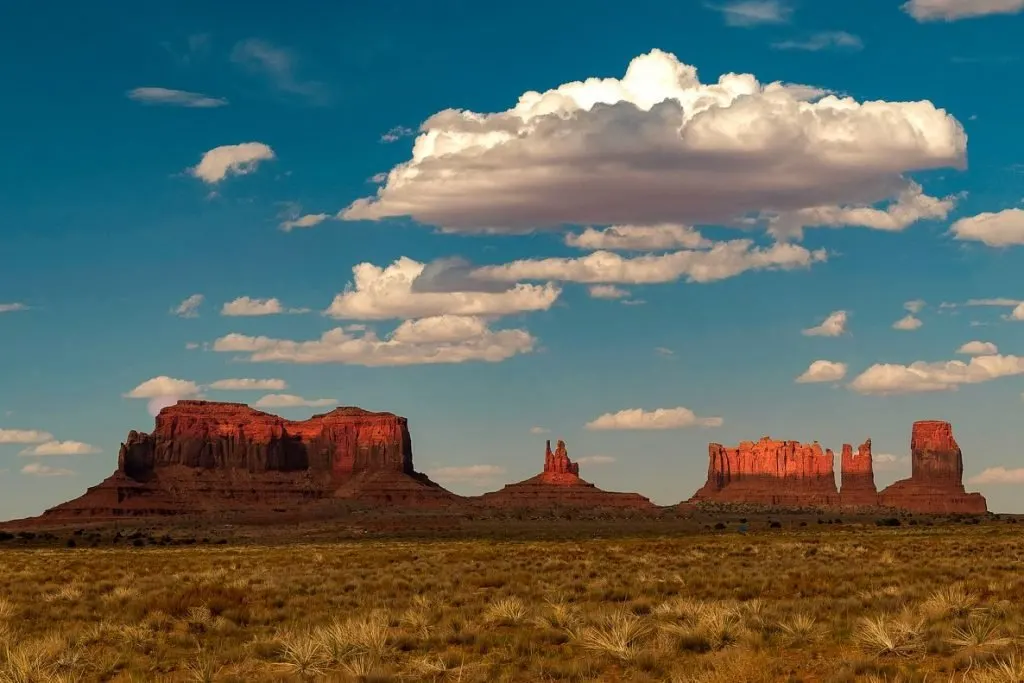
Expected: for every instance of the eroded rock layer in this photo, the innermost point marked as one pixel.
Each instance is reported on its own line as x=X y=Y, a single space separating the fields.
x=936 y=481
x=203 y=457
x=560 y=485
x=770 y=472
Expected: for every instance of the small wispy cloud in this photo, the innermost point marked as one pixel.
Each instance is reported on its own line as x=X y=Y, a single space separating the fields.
x=40 y=470
x=175 y=98
x=189 y=308
x=825 y=40
x=397 y=133
x=278 y=65
x=747 y=13
x=11 y=308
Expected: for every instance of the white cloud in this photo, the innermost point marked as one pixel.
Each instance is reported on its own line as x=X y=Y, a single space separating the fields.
x=279 y=66
x=192 y=346
x=1017 y=313
x=440 y=339
x=24 y=436
x=907 y=323
x=638 y=238
x=724 y=260
x=11 y=308
x=164 y=391
x=40 y=470
x=915 y=306
x=189 y=308
x=920 y=376
x=978 y=348
x=748 y=13
x=471 y=474
x=882 y=462
x=910 y=206
x=832 y=326
x=292 y=401
x=998 y=475
x=220 y=162
x=386 y=293
x=951 y=10
x=307 y=221
x=175 y=98
x=662 y=418
x=658 y=146
x=61 y=448
x=595 y=460
x=822 y=371
x=607 y=292
x=823 y=40
x=164 y=386
x=249 y=385
x=664 y=352
x=396 y=134
x=539 y=430
x=244 y=306
x=1002 y=229
x=991 y=302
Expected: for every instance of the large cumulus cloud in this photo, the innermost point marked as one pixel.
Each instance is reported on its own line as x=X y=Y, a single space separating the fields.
x=659 y=146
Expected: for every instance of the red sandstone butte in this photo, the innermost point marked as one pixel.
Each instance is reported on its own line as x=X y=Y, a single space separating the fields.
x=936 y=481
x=857 y=477
x=560 y=485
x=207 y=457
x=769 y=472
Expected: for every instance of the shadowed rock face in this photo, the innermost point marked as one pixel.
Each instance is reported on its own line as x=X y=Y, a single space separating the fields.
x=560 y=485
x=205 y=457
x=936 y=480
x=769 y=472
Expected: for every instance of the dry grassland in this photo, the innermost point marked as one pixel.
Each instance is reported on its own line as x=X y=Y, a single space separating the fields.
x=942 y=604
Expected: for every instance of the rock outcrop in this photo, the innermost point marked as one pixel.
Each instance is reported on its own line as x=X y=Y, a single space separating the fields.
x=857 y=477
x=206 y=457
x=769 y=472
x=936 y=481
x=560 y=485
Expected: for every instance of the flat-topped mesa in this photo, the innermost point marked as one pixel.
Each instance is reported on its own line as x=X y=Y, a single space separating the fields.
x=857 y=477
x=936 y=481
x=560 y=485
x=770 y=472
x=207 y=457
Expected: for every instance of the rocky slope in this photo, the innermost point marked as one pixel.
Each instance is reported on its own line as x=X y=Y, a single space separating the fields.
x=204 y=457
x=936 y=481
x=560 y=485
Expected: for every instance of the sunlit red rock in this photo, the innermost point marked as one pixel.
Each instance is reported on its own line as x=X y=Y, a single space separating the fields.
x=770 y=472
x=560 y=485
x=203 y=457
x=857 y=477
x=936 y=481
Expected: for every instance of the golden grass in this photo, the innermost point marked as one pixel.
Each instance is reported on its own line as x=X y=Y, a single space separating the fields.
x=937 y=604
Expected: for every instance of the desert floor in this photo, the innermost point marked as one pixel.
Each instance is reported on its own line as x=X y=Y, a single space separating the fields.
x=821 y=602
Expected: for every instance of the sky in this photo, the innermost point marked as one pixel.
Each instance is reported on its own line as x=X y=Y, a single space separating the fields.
x=639 y=230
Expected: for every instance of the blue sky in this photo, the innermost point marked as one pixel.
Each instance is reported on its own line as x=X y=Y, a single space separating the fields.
x=156 y=153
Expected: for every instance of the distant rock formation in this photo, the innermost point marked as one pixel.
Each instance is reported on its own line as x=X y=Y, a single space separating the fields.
x=769 y=472
x=204 y=457
x=560 y=485
x=936 y=481
x=857 y=477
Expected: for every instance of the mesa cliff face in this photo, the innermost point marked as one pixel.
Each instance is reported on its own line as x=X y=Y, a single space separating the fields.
x=936 y=480
x=857 y=477
x=560 y=485
x=769 y=472
x=205 y=457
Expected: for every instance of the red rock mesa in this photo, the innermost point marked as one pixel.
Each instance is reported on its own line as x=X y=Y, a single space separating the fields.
x=857 y=477
x=205 y=457
x=936 y=480
x=769 y=472
x=560 y=485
